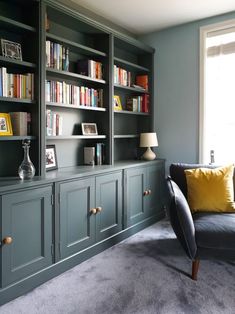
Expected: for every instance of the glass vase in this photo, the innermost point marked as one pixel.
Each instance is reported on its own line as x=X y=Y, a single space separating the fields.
x=26 y=169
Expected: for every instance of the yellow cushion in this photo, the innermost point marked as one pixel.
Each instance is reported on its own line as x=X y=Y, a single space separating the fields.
x=211 y=190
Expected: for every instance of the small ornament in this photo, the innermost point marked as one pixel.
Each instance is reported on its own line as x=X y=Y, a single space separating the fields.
x=26 y=169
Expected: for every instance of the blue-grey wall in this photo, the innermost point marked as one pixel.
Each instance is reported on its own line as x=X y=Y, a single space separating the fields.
x=177 y=89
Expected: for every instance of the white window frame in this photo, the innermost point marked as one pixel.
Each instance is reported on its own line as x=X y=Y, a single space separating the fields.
x=204 y=30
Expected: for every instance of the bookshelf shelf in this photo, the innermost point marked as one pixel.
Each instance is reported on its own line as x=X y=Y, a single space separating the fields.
x=17 y=100
x=61 y=105
x=18 y=63
x=15 y=26
x=130 y=65
x=73 y=75
x=123 y=136
x=17 y=138
x=133 y=89
x=132 y=112
x=76 y=137
x=75 y=46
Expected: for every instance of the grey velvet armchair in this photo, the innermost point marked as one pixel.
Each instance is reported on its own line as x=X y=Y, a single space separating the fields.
x=202 y=235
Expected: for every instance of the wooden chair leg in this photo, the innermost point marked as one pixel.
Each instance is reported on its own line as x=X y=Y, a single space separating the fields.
x=195 y=266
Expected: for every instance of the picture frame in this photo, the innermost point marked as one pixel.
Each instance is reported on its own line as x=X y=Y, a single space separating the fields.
x=51 y=158
x=5 y=125
x=89 y=129
x=117 y=102
x=11 y=49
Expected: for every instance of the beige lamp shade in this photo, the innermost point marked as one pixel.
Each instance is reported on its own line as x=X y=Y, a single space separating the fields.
x=148 y=140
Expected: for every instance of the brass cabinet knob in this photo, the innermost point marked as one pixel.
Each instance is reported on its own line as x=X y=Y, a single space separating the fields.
x=7 y=240
x=93 y=211
x=98 y=209
x=149 y=192
x=146 y=193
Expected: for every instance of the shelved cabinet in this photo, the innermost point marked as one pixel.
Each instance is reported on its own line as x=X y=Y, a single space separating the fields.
x=135 y=61
x=90 y=211
x=26 y=233
x=19 y=23
x=143 y=193
x=79 y=93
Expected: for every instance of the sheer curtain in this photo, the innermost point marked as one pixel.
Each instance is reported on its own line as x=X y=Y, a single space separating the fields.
x=219 y=107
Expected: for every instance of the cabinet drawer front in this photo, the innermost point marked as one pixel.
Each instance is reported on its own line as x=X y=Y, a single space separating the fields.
x=27 y=219
x=109 y=199
x=77 y=224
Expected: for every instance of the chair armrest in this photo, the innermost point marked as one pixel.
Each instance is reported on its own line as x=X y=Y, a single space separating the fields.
x=181 y=219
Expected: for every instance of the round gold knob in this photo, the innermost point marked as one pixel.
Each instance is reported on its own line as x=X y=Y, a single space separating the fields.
x=98 y=209
x=93 y=211
x=7 y=240
x=149 y=192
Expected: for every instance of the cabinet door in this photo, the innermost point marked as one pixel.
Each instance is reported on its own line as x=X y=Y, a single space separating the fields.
x=77 y=223
x=27 y=221
x=153 y=186
x=109 y=201
x=135 y=182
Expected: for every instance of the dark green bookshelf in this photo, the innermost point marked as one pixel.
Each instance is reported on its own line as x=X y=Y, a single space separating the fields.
x=75 y=46
x=67 y=74
x=18 y=63
x=15 y=26
x=17 y=138
x=130 y=65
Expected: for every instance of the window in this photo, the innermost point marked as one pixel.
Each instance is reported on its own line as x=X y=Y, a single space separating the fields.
x=217 y=93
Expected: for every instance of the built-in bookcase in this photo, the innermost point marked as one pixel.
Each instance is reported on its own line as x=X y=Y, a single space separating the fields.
x=84 y=42
x=34 y=24
x=19 y=23
x=137 y=60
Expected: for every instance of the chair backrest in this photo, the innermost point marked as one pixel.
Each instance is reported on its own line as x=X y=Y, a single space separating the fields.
x=181 y=218
x=178 y=176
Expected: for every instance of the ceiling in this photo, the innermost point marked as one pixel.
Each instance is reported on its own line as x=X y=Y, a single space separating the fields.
x=145 y=16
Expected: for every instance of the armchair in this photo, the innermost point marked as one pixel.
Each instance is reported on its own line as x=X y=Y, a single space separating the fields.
x=202 y=235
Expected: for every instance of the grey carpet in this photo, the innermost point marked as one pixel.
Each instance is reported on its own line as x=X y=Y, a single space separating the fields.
x=147 y=273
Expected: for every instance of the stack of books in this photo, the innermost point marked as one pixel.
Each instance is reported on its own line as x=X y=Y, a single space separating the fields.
x=122 y=76
x=142 y=81
x=91 y=68
x=57 y=56
x=138 y=103
x=16 y=85
x=21 y=123
x=61 y=92
x=54 y=123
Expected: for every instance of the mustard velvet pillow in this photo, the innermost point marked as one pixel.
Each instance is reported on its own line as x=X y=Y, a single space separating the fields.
x=210 y=190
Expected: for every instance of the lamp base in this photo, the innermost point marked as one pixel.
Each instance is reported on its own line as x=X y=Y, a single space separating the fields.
x=149 y=154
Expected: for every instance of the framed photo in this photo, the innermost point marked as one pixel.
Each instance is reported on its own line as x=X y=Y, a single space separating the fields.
x=51 y=159
x=117 y=103
x=5 y=124
x=10 y=49
x=89 y=129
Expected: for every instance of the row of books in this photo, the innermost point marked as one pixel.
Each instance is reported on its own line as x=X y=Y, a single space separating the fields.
x=122 y=76
x=16 y=85
x=125 y=78
x=57 y=56
x=91 y=68
x=54 y=123
x=61 y=92
x=21 y=123
x=138 y=103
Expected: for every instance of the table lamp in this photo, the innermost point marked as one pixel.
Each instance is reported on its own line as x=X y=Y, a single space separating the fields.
x=148 y=140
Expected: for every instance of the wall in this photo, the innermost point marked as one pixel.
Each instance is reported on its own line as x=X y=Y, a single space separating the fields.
x=177 y=89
